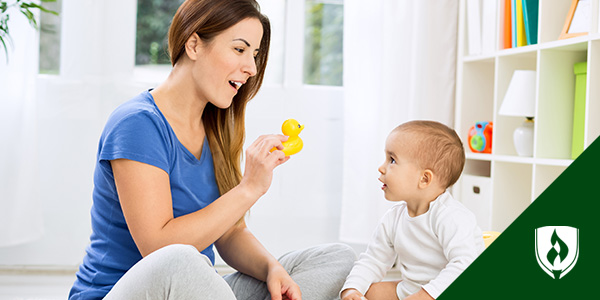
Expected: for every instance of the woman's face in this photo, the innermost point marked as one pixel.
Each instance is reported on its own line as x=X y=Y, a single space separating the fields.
x=225 y=64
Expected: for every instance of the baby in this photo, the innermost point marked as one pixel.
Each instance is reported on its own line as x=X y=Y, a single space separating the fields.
x=430 y=235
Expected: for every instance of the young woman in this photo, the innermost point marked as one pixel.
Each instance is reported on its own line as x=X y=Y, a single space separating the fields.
x=168 y=183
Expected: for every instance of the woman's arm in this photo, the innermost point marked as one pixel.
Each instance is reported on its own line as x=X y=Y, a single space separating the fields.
x=145 y=197
x=242 y=251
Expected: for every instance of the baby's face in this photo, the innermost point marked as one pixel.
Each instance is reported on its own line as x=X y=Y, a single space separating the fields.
x=399 y=173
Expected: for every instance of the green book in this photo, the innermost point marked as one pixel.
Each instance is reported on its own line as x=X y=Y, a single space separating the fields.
x=580 y=70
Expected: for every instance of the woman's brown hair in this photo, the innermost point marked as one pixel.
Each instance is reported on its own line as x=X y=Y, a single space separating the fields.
x=225 y=128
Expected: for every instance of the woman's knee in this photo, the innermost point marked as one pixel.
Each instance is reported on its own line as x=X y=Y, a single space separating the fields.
x=178 y=258
x=343 y=254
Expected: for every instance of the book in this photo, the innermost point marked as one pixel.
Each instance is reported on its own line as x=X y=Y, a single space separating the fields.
x=521 y=39
x=580 y=71
x=513 y=23
x=530 y=18
x=474 y=26
x=506 y=26
x=488 y=27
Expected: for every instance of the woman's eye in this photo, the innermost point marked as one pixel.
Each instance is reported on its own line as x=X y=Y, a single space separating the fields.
x=240 y=50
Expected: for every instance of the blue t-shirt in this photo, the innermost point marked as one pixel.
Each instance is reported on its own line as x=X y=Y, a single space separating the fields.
x=138 y=131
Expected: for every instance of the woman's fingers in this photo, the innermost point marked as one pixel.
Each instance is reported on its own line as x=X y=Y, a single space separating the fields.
x=260 y=162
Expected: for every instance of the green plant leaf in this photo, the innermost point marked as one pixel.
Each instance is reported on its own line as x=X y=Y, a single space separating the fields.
x=5 y=48
x=30 y=16
x=33 y=5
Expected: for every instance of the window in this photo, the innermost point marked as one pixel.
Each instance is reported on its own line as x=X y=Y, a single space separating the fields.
x=50 y=27
x=317 y=29
x=153 y=21
x=323 y=46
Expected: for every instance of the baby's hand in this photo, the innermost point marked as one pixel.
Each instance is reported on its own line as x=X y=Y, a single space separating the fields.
x=420 y=295
x=352 y=294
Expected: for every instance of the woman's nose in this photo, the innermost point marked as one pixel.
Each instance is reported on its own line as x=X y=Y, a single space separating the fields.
x=250 y=66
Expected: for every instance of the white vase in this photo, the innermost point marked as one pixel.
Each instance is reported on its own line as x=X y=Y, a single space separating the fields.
x=523 y=138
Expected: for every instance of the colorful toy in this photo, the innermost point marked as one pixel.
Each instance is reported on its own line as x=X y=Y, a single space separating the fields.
x=294 y=144
x=480 y=137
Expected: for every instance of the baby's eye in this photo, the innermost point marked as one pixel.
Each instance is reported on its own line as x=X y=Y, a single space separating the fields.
x=392 y=160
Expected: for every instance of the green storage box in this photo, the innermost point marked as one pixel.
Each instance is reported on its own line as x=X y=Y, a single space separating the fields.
x=580 y=70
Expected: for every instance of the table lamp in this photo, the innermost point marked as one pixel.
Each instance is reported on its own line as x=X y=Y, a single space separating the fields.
x=519 y=101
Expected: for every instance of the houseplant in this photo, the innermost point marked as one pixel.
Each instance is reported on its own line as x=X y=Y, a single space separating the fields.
x=24 y=7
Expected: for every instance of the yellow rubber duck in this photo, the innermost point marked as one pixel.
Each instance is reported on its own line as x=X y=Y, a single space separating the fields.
x=294 y=144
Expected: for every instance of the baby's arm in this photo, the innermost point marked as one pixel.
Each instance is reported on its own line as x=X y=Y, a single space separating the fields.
x=373 y=264
x=458 y=234
x=351 y=294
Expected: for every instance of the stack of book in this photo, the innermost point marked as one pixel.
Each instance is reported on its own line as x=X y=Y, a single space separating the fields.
x=517 y=26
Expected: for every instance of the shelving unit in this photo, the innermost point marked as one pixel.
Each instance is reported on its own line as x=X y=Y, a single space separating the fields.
x=482 y=81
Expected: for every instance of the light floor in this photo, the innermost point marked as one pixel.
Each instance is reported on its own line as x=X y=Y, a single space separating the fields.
x=27 y=286
x=44 y=284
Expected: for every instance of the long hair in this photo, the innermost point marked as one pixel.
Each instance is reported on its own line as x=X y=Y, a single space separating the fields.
x=225 y=128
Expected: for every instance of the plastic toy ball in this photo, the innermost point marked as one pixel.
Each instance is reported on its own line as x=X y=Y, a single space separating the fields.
x=480 y=137
x=294 y=144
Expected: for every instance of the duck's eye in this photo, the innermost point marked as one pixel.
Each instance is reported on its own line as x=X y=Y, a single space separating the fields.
x=299 y=126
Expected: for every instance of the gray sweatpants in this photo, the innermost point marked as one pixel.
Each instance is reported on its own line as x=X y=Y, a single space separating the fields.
x=181 y=272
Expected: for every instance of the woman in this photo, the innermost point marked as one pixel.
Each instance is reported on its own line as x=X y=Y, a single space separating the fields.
x=168 y=181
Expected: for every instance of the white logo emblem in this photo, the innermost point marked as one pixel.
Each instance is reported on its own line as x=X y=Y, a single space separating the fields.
x=557 y=249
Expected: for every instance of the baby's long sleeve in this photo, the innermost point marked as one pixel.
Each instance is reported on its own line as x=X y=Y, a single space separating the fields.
x=457 y=232
x=373 y=264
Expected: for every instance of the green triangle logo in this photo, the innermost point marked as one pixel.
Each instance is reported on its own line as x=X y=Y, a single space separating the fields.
x=549 y=251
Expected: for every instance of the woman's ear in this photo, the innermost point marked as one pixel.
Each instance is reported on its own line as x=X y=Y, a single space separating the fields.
x=192 y=46
x=426 y=178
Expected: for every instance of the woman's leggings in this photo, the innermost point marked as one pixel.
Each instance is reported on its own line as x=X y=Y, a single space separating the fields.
x=181 y=272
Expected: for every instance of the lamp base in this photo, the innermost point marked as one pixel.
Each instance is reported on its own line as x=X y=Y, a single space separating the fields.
x=523 y=138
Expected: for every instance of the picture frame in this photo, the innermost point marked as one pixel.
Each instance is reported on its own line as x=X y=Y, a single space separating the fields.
x=579 y=19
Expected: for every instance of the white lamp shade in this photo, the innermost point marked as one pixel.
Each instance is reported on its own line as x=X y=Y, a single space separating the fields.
x=519 y=100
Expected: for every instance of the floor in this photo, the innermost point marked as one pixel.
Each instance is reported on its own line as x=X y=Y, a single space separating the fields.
x=35 y=286
x=44 y=284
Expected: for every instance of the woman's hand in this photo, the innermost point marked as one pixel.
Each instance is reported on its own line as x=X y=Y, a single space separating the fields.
x=352 y=294
x=281 y=285
x=260 y=162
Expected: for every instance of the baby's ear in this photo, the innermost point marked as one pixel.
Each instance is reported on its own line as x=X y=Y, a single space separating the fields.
x=427 y=178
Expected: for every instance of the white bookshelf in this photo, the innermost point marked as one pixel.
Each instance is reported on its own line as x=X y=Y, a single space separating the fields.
x=482 y=81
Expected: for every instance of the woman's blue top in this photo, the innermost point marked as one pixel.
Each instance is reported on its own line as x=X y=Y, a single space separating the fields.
x=138 y=131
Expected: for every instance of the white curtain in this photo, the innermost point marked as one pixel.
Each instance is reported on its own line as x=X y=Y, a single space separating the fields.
x=399 y=65
x=20 y=208
x=51 y=125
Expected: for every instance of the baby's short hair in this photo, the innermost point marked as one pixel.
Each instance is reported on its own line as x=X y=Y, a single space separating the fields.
x=436 y=147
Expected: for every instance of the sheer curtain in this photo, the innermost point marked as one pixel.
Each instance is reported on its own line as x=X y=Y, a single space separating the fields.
x=20 y=211
x=51 y=125
x=399 y=65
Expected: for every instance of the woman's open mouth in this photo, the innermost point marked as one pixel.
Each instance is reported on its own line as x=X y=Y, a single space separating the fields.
x=235 y=84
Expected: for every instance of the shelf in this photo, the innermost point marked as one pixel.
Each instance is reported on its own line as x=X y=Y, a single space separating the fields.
x=482 y=81
x=518 y=159
x=478 y=156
